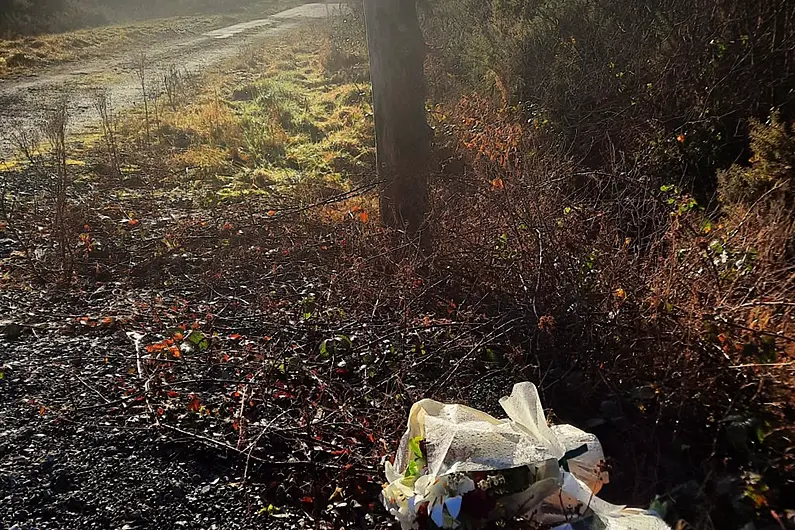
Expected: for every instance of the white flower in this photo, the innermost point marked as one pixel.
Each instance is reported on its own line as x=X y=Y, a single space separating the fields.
x=405 y=516
x=391 y=473
x=398 y=497
x=440 y=492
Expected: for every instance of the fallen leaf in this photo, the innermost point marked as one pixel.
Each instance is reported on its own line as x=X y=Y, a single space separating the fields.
x=337 y=493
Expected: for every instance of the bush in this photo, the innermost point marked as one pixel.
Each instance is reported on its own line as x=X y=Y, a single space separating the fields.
x=665 y=86
x=642 y=310
x=771 y=169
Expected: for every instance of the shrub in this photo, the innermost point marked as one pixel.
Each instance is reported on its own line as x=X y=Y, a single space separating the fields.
x=666 y=86
x=666 y=325
x=771 y=168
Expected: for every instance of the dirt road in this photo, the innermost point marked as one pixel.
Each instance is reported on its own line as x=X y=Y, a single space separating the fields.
x=24 y=102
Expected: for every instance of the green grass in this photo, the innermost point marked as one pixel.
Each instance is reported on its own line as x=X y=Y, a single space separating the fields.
x=284 y=117
x=277 y=120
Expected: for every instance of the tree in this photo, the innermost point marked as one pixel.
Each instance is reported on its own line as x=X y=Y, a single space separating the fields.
x=403 y=137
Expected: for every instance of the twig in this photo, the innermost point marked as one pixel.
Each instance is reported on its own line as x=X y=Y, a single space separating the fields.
x=764 y=365
x=97 y=392
x=221 y=445
x=491 y=336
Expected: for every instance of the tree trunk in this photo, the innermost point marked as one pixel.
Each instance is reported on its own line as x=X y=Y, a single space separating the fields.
x=397 y=55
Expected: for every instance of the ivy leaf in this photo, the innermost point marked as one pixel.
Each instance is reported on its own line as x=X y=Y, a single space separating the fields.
x=412 y=470
x=198 y=339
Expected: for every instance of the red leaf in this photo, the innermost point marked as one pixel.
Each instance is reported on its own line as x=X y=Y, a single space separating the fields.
x=308 y=500
x=194 y=404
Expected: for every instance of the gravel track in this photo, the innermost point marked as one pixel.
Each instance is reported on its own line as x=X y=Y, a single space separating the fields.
x=24 y=102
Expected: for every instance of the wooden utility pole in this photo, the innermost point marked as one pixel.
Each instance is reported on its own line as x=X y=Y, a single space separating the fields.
x=403 y=137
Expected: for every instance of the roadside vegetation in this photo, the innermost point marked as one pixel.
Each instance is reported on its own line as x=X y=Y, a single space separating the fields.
x=26 y=18
x=611 y=219
x=28 y=42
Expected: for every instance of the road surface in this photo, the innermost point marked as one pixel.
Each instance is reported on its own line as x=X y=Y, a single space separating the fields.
x=24 y=102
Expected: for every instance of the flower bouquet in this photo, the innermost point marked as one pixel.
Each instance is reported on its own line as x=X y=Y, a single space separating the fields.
x=458 y=467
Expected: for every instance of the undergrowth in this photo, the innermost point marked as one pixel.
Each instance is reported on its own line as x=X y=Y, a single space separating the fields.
x=664 y=327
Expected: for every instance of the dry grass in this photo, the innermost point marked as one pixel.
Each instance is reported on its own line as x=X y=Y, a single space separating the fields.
x=281 y=115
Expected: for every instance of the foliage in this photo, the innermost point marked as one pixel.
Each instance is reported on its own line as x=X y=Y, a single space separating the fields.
x=666 y=85
x=770 y=173
x=633 y=292
x=661 y=324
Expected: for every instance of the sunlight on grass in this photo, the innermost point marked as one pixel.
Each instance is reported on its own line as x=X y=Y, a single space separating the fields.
x=10 y=165
x=281 y=116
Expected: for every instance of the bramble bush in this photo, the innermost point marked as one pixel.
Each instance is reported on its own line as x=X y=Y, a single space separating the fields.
x=617 y=174
x=664 y=86
x=675 y=339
